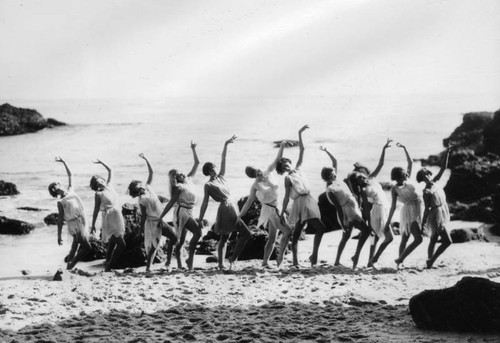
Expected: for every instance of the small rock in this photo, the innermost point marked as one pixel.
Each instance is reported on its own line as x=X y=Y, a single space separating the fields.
x=25 y=272
x=58 y=275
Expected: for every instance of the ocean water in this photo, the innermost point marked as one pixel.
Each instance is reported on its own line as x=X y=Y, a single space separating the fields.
x=353 y=127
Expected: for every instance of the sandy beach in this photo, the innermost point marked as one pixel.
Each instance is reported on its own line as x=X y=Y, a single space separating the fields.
x=248 y=304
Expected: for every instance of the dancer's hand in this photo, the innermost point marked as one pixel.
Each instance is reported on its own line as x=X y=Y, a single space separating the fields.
x=323 y=148
x=303 y=128
x=388 y=144
x=92 y=230
x=231 y=140
x=285 y=143
x=59 y=159
x=400 y=145
x=193 y=145
x=97 y=161
x=451 y=145
x=59 y=240
x=141 y=155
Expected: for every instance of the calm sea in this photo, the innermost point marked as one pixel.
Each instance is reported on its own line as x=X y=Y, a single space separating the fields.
x=116 y=131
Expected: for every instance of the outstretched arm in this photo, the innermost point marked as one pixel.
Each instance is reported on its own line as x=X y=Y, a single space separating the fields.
x=408 y=159
x=196 y=160
x=393 y=207
x=150 y=170
x=70 y=179
x=278 y=157
x=301 y=146
x=170 y=204
x=203 y=207
x=248 y=203
x=381 y=160
x=222 y=171
x=110 y=171
x=60 y=222
x=334 y=160
x=444 y=163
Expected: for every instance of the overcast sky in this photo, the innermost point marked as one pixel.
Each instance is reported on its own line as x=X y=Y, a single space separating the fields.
x=122 y=49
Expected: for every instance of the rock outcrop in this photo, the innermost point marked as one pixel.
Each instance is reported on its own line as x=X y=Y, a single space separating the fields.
x=14 y=227
x=16 y=121
x=8 y=188
x=472 y=305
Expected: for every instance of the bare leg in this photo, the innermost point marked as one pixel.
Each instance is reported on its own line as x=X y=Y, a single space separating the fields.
x=446 y=242
x=287 y=233
x=271 y=240
x=179 y=247
x=365 y=233
x=319 y=228
x=151 y=256
x=119 y=246
x=83 y=251
x=387 y=240
x=221 y=249
x=243 y=236
x=168 y=232
x=404 y=240
x=72 y=252
x=417 y=239
x=193 y=227
x=373 y=248
x=345 y=237
x=295 y=239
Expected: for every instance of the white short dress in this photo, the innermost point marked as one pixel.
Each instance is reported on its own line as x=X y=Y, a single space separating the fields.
x=412 y=206
x=184 y=207
x=74 y=215
x=378 y=214
x=152 y=233
x=439 y=213
x=267 y=193
x=304 y=206
x=348 y=205
x=112 y=218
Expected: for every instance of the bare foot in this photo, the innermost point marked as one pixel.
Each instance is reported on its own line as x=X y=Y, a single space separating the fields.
x=189 y=263
x=429 y=264
x=313 y=259
x=398 y=262
x=354 y=260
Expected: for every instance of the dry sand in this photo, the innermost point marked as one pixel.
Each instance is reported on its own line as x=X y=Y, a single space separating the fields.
x=249 y=304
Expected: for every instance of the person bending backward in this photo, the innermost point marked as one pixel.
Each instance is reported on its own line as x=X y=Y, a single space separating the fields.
x=113 y=225
x=150 y=207
x=411 y=212
x=348 y=211
x=266 y=190
x=436 y=213
x=365 y=183
x=183 y=199
x=305 y=208
x=227 y=220
x=71 y=210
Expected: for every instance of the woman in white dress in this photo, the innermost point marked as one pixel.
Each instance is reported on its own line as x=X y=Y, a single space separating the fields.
x=113 y=225
x=71 y=210
x=436 y=212
x=182 y=199
x=266 y=190
x=305 y=208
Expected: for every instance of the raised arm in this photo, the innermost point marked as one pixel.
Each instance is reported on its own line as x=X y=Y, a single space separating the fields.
x=222 y=171
x=196 y=160
x=203 y=207
x=381 y=160
x=301 y=146
x=173 y=199
x=150 y=170
x=272 y=166
x=110 y=171
x=408 y=159
x=444 y=163
x=334 y=160
x=248 y=203
x=68 y=171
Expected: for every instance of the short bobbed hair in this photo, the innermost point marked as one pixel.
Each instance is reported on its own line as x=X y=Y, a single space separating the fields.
x=423 y=172
x=207 y=167
x=52 y=189
x=326 y=173
x=251 y=172
x=398 y=173
x=132 y=188
x=94 y=185
x=281 y=164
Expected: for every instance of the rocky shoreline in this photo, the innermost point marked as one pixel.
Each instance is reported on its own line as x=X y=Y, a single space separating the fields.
x=17 y=121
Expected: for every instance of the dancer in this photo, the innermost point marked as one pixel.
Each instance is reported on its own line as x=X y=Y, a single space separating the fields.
x=348 y=211
x=411 y=215
x=71 y=210
x=364 y=183
x=266 y=190
x=183 y=198
x=227 y=220
x=150 y=207
x=436 y=212
x=113 y=226
x=305 y=208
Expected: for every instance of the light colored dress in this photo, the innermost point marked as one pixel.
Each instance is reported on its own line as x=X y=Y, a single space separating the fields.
x=439 y=213
x=152 y=233
x=112 y=218
x=227 y=213
x=304 y=206
x=412 y=206
x=74 y=214
x=348 y=205
x=378 y=214
x=184 y=205
x=267 y=193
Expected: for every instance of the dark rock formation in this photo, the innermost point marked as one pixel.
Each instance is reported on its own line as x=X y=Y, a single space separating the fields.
x=8 y=188
x=14 y=227
x=252 y=216
x=31 y=209
x=98 y=251
x=466 y=235
x=480 y=210
x=291 y=142
x=254 y=248
x=472 y=305
x=51 y=219
x=328 y=214
x=16 y=121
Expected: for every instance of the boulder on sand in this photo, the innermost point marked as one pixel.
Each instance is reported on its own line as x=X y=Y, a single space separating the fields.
x=8 y=188
x=14 y=227
x=472 y=305
x=51 y=219
x=16 y=121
